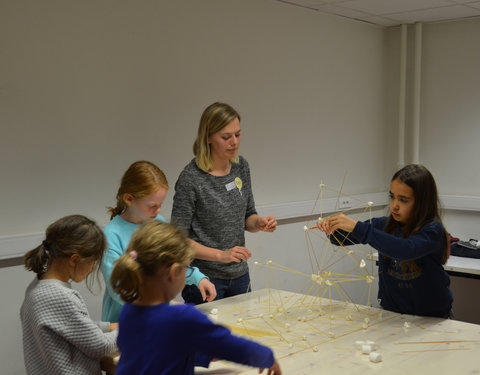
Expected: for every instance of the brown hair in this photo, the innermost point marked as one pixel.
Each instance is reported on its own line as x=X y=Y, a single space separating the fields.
x=142 y=178
x=156 y=245
x=426 y=208
x=214 y=118
x=73 y=234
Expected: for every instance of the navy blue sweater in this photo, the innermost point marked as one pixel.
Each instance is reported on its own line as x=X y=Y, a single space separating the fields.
x=164 y=339
x=411 y=276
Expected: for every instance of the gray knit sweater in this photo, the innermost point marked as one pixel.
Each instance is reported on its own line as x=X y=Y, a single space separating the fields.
x=58 y=335
x=212 y=210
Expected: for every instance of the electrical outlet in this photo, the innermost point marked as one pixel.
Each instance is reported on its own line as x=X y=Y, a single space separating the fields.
x=344 y=203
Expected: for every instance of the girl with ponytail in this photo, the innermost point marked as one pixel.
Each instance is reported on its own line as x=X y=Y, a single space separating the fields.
x=139 y=199
x=58 y=335
x=157 y=337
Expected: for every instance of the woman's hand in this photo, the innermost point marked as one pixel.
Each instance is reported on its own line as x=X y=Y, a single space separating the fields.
x=274 y=370
x=235 y=254
x=332 y=223
x=113 y=326
x=207 y=289
x=266 y=223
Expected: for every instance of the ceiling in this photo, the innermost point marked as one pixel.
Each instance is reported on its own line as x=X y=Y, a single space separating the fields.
x=393 y=12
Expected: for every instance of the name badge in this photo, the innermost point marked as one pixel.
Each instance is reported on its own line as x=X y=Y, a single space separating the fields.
x=230 y=186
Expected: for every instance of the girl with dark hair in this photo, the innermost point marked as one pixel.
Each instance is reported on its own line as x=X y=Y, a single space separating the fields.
x=412 y=244
x=58 y=335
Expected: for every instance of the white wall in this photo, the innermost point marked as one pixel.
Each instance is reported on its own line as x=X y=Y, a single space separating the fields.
x=450 y=114
x=450 y=132
x=89 y=87
x=450 y=129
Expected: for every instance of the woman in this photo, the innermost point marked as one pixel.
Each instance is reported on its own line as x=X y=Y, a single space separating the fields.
x=214 y=204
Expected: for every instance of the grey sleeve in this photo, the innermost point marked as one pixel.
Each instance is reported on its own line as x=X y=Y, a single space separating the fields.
x=183 y=203
x=81 y=332
x=251 y=201
x=104 y=326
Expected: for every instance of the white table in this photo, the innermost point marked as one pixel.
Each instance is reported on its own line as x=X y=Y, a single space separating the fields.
x=465 y=266
x=468 y=267
x=325 y=342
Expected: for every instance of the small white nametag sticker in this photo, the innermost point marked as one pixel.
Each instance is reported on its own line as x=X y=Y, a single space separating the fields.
x=230 y=186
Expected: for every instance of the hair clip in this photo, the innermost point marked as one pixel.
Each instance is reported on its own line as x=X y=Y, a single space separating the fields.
x=133 y=254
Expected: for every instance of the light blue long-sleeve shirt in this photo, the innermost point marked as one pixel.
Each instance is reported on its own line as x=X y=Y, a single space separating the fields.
x=118 y=233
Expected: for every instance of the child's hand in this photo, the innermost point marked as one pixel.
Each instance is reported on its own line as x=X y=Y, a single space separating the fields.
x=274 y=370
x=332 y=223
x=113 y=326
x=207 y=289
x=322 y=225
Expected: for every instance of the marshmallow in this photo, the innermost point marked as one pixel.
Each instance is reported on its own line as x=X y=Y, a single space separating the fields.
x=375 y=357
x=359 y=344
x=214 y=311
x=366 y=349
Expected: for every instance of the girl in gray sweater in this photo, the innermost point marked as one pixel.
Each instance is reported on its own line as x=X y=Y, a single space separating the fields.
x=58 y=335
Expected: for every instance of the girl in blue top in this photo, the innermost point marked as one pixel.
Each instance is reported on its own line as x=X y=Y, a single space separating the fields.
x=140 y=197
x=156 y=337
x=412 y=245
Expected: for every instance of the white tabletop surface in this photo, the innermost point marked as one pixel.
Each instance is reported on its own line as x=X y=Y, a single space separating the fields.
x=464 y=265
x=458 y=264
x=325 y=341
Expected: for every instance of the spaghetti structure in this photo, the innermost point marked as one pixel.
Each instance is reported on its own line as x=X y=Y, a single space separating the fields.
x=311 y=316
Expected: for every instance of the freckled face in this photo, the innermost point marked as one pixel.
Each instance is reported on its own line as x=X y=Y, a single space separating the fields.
x=147 y=208
x=402 y=201
x=225 y=143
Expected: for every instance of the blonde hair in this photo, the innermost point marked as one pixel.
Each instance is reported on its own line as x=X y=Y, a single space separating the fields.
x=70 y=235
x=142 y=178
x=214 y=118
x=154 y=245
